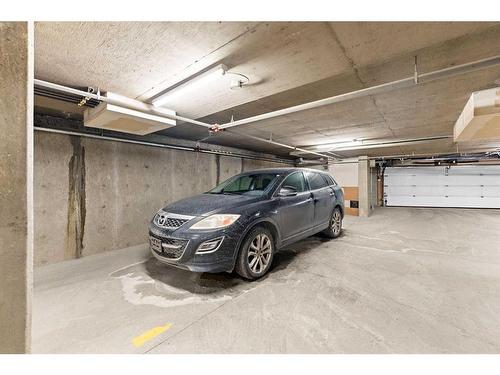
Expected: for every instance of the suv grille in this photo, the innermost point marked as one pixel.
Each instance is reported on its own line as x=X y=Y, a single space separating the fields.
x=164 y=220
x=171 y=248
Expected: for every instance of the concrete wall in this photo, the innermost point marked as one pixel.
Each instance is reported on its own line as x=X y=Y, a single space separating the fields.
x=16 y=126
x=93 y=196
x=51 y=176
x=250 y=164
x=229 y=167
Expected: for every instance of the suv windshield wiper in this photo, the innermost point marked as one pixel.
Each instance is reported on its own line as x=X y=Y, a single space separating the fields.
x=223 y=192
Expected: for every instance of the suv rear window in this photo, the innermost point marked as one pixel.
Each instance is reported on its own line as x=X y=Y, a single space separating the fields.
x=316 y=180
x=329 y=179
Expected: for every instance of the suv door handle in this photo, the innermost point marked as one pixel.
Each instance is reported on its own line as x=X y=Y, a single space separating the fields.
x=314 y=199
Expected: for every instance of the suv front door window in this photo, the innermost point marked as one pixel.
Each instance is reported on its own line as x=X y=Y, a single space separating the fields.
x=296 y=212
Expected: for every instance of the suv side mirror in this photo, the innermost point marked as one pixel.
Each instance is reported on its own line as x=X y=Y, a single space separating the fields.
x=287 y=191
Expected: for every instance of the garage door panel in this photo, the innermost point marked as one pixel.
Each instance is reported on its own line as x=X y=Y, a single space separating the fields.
x=478 y=170
x=456 y=186
x=437 y=191
x=426 y=190
x=433 y=180
x=491 y=191
x=415 y=191
x=471 y=180
x=429 y=201
x=463 y=191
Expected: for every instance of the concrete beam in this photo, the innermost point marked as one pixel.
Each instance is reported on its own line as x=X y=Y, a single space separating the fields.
x=16 y=185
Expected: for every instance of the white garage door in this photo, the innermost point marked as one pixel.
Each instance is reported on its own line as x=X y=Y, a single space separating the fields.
x=456 y=186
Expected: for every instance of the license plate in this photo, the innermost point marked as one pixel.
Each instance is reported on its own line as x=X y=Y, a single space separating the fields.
x=155 y=243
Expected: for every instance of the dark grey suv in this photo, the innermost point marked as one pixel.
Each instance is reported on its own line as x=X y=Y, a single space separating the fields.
x=240 y=224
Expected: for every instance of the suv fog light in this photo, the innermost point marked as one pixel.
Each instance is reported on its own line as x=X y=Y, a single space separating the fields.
x=209 y=246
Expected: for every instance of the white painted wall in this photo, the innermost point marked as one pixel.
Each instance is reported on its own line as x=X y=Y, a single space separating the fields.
x=345 y=174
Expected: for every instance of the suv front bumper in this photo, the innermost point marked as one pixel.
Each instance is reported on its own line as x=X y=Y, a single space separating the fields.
x=220 y=260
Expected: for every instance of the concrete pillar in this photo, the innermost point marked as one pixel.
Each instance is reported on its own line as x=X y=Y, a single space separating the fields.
x=16 y=185
x=364 y=191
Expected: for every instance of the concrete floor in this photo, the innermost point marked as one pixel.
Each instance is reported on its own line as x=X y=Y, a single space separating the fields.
x=401 y=281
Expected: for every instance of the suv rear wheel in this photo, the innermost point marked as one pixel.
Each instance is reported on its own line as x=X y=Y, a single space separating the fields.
x=335 y=227
x=256 y=254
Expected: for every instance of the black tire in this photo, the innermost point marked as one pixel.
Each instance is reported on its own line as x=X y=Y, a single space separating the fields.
x=244 y=266
x=335 y=228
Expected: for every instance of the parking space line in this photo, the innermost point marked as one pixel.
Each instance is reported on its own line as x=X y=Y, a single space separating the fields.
x=149 y=335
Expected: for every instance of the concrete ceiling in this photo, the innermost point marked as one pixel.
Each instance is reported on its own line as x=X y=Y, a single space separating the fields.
x=288 y=64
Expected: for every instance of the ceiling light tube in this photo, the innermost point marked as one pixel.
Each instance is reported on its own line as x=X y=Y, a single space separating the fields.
x=189 y=85
x=334 y=145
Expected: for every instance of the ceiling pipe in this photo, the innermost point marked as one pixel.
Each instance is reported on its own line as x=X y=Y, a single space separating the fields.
x=149 y=108
x=398 y=84
x=429 y=154
x=389 y=144
x=282 y=145
x=395 y=142
x=160 y=145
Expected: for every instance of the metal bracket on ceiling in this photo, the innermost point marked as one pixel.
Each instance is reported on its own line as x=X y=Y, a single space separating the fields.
x=85 y=99
x=214 y=129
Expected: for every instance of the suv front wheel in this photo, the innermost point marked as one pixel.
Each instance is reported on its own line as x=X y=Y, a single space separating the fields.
x=256 y=254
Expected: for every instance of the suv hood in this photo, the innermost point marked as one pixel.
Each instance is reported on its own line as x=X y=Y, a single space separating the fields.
x=203 y=204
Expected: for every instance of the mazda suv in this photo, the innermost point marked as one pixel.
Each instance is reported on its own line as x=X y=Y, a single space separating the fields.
x=241 y=224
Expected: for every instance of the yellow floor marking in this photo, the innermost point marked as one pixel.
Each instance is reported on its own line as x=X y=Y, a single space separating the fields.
x=149 y=335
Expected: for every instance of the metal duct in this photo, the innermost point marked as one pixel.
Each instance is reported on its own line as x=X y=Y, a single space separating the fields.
x=66 y=97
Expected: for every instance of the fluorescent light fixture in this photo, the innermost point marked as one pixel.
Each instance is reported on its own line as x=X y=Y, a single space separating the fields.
x=334 y=145
x=191 y=84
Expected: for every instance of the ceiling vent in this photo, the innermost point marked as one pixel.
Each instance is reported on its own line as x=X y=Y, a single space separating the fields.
x=126 y=120
x=480 y=118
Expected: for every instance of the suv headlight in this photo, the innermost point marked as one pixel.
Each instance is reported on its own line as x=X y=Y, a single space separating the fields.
x=216 y=222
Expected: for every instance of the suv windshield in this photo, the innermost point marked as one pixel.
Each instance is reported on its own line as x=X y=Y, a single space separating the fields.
x=248 y=184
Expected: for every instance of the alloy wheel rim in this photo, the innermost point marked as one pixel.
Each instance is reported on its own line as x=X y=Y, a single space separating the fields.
x=336 y=222
x=259 y=253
